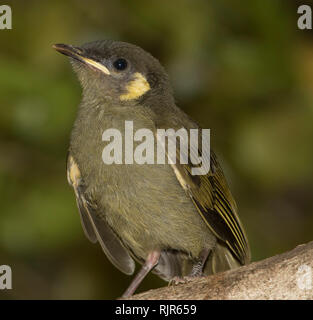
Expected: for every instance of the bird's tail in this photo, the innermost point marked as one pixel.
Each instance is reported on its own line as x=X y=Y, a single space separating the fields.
x=220 y=259
x=172 y=264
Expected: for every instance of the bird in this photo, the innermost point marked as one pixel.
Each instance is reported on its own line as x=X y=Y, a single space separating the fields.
x=171 y=222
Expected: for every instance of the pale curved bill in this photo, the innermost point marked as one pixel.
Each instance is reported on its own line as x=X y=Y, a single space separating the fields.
x=96 y=65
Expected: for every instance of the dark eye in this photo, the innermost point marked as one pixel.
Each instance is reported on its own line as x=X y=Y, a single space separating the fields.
x=120 y=64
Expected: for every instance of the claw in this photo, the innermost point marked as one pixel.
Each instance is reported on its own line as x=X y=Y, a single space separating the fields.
x=180 y=280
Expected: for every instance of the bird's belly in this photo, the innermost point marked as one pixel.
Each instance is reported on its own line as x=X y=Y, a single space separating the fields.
x=143 y=203
x=148 y=209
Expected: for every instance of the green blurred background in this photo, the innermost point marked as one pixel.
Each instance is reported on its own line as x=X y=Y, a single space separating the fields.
x=241 y=68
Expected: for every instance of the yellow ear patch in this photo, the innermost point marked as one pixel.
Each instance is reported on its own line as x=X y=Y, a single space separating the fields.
x=136 y=87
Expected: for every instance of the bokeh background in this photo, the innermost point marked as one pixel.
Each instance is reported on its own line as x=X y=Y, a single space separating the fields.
x=241 y=68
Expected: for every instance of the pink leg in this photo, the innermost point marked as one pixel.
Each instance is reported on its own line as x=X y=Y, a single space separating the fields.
x=151 y=262
x=197 y=269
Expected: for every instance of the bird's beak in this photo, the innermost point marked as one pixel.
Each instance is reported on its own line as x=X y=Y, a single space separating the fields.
x=78 y=54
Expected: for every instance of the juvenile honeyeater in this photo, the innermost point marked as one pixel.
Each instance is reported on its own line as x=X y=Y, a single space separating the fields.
x=172 y=222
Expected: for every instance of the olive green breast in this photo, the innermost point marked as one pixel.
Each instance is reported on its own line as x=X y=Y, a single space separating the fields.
x=144 y=204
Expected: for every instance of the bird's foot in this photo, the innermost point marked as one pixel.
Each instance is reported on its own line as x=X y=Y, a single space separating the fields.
x=180 y=280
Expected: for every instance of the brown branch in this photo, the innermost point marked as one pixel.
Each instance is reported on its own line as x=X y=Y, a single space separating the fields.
x=285 y=276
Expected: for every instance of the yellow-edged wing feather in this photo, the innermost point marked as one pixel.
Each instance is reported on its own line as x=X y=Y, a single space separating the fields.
x=214 y=202
x=212 y=198
x=96 y=228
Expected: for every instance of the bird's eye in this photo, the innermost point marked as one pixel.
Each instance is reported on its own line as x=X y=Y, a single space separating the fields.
x=120 y=64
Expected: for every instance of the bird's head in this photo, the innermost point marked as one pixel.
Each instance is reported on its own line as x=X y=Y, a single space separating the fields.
x=117 y=71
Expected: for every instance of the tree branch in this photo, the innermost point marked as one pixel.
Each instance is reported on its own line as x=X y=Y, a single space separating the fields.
x=285 y=276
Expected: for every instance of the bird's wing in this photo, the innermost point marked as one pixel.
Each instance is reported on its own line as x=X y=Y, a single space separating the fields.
x=213 y=200
x=95 y=227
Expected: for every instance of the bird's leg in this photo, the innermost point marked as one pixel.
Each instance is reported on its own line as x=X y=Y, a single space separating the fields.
x=151 y=261
x=196 y=271
x=197 y=268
